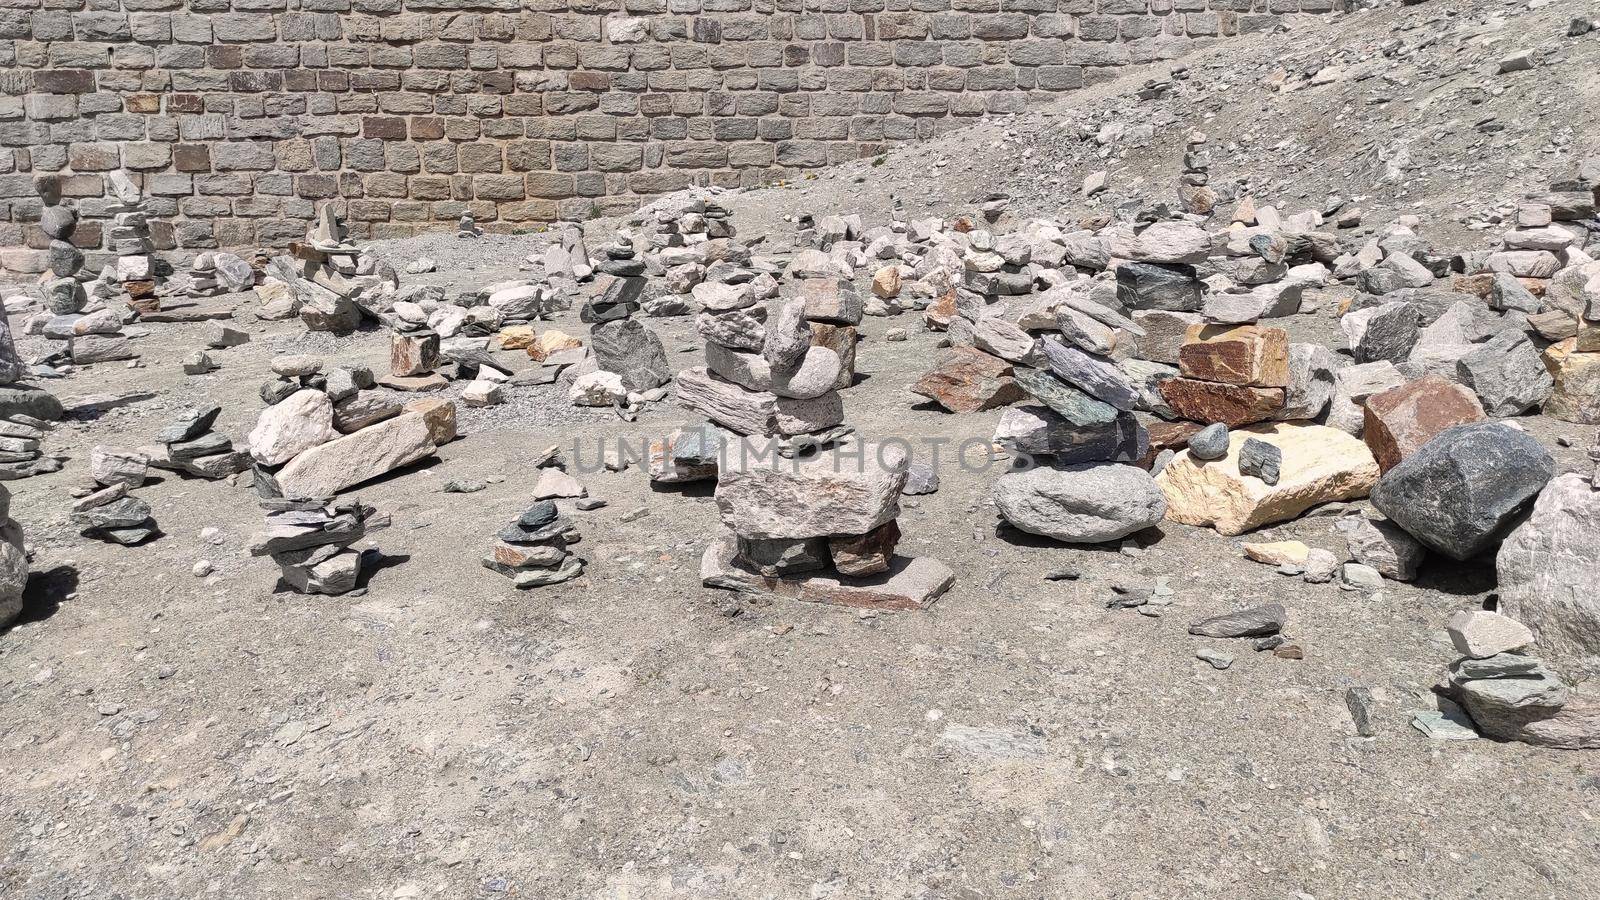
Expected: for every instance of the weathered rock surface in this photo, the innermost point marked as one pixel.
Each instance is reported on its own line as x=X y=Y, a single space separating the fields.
x=1088 y=503
x=1548 y=576
x=755 y=412
x=908 y=584
x=1460 y=493
x=325 y=470
x=1040 y=431
x=1231 y=404
x=1401 y=420
x=1318 y=465
x=969 y=380
x=850 y=491
x=292 y=426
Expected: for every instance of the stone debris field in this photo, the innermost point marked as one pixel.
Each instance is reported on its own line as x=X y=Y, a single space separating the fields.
x=1159 y=459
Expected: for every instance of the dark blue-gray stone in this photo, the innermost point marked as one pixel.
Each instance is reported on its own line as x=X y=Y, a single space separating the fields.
x=1466 y=488
x=1210 y=442
x=1261 y=459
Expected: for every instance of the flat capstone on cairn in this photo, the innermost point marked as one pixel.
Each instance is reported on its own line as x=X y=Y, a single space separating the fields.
x=191 y=445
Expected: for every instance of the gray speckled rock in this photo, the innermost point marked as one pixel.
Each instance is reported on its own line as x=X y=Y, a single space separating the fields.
x=1383 y=546
x=1381 y=332
x=1210 y=442
x=1261 y=459
x=1257 y=621
x=1310 y=388
x=1462 y=491
x=1072 y=404
x=1097 y=377
x=1549 y=578
x=629 y=349
x=1081 y=504
x=1507 y=374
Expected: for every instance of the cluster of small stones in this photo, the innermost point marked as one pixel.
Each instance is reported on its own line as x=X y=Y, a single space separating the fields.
x=414 y=113
x=311 y=543
x=215 y=272
x=532 y=549
x=105 y=509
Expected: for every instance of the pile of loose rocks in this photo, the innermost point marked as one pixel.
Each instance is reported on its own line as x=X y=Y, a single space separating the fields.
x=322 y=434
x=215 y=272
x=311 y=542
x=106 y=511
x=325 y=280
x=532 y=549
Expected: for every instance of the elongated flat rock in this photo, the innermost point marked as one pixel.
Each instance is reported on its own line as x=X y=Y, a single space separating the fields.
x=325 y=470
x=755 y=412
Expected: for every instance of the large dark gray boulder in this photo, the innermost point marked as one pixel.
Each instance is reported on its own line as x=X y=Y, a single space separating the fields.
x=1466 y=488
x=29 y=401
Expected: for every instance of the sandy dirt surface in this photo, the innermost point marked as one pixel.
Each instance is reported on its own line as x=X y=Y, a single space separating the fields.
x=631 y=734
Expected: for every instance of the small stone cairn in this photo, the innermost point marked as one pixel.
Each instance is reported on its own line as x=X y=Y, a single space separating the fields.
x=532 y=549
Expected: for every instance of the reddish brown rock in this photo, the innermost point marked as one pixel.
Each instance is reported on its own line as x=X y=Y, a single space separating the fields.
x=866 y=554
x=413 y=354
x=1400 y=420
x=1231 y=404
x=941 y=311
x=1172 y=436
x=1239 y=354
x=969 y=380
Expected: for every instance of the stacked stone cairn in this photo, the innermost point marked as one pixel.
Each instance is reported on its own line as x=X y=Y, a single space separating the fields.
x=1498 y=688
x=311 y=543
x=106 y=511
x=326 y=280
x=321 y=434
x=87 y=338
x=820 y=528
x=64 y=294
x=13 y=563
x=1195 y=194
x=215 y=272
x=192 y=445
x=629 y=360
x=129 y=238
x=532 y=549
x=25 y=416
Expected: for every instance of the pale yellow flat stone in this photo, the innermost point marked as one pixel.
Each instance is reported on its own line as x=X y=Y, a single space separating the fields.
x=1320 y=465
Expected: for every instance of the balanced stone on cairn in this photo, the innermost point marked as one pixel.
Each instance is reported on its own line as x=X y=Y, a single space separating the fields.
x=129 y=238
x=532 y=549
x=192 y=446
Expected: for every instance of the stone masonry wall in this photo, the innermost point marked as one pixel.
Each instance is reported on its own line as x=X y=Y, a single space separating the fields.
x=239 y=116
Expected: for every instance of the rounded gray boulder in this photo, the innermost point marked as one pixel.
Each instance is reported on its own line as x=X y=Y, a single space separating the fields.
x=1081 y=504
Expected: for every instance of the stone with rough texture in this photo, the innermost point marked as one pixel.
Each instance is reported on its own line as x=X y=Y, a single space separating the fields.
x=1575 y=395
x=1352 y=385
x=1382 y=545
x=1312 y=371
x=1402 y=420
x=438 y=414
x=839 y=491
x=909 y=583
x=1210 y=442
x=1481 y=634
x=1465 y=488
x=1319 y=465
x=1260 y=459
x=967 y=380
x=1258 y=621
x=325 y=470
x=1070 y=403
x=1094 y=375
x=1548 y=577
x=1088 y=503
x=1386 y=332
x=1164 y=333
x=1507 y=374
x=866 y=554
x=632 y=351
x=1241 y=354
x=1041 y=431
x=292 y=426
x=755 y=412
x=816 y=375
x=1231 y=404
